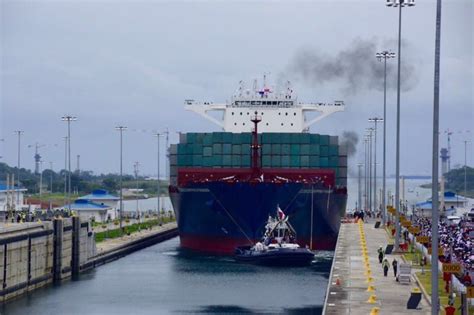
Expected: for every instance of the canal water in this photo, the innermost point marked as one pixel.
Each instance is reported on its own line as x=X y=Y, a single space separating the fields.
x=163 y=279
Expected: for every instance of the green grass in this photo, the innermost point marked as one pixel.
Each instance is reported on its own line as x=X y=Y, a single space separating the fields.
x=425 y=280
x=114 y=233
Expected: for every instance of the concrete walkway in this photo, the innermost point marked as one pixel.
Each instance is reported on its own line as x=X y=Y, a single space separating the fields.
x=114 y=243
x=347 y=288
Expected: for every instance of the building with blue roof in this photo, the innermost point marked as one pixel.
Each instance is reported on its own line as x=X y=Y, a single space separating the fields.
x=452 y=202
x=89 y=210
x=102 y=197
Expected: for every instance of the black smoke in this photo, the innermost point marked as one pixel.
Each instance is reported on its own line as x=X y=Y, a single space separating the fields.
x=350 y=139
x=355 y=68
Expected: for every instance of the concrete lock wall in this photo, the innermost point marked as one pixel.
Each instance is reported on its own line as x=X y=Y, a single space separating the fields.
x=35 y=254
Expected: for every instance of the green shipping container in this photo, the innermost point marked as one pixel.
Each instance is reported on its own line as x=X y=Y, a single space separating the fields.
x=296 y=138
x=246 y=160
x=227 y=148
x=267 y=149
x=184 y=160
x=305 y=149
x=324 y=139
x=333 y=150
x=207 y=140
x=305 y=138
x=285 y=149
x=276 y=161
x=216 y=148
x=276 y=149
x=314 y=139
x=236 y=138
x=324 y=150
x=333 y=161
x=295 y=149
x=182 y=148
x=314 y=149
x=236 y=149
x=324 y=161
x=295 y=161
x=191 y=138
x=266 y=138
x=217 y=160
x=236 y=160
x=285 y=161
x=227 y=137
x=196 y=149
x=217 y=137
x=207 y=151
x=314 y=161
x=304 y=161
x=197 y=160
x=266 y=161
x=246 y=148
x=207 y=161
x=285 y=138
x=227 y=160
x=246 y=137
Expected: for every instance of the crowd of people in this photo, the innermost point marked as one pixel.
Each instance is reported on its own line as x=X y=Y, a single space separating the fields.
x=455 y=240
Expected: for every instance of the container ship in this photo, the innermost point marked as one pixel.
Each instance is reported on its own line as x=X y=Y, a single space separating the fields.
x=225 y=185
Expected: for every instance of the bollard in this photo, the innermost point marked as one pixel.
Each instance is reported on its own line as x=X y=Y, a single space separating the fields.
x=57 y=249
x=372 y=299
x=375 y=311
x=76 y=241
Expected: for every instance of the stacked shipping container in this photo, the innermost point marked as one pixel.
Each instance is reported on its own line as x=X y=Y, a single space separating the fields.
x=279 y=150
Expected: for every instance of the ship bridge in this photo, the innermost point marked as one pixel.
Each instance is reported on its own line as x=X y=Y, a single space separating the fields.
x=280 y=112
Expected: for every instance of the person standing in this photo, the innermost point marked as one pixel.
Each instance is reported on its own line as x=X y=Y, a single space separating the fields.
x=385 y=266
x=380 y=251
x=395 y=267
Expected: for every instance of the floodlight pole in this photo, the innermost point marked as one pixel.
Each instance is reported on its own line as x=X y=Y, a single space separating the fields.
x=157 y=135
x=121 y=129
x=434 y=183
x=18 y=133
x=375 y=120
x=68 y=119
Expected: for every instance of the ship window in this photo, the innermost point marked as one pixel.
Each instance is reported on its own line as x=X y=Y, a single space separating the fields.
x=282 y=124
x=294 y=114
x=232 y=113
x=248 y=113
x=274 y=102
x=241 y=113
x=267 y=124
x=292 y=124
x=243 y=124
x=279 y=113
x=262 y=113
x=235 y=124
x=286 y=114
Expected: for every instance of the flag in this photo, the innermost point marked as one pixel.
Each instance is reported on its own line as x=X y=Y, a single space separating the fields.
x=281 y=214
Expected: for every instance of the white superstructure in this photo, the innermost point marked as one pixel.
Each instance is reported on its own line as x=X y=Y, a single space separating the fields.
x=280 y=112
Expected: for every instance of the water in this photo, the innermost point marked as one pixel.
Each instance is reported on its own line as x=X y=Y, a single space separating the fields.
x=165 y=280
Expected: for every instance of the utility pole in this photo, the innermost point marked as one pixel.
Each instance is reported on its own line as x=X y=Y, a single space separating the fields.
x=400 y=4
x=157 y=135
x=68 y=119
x=375 y=120
x=384 y=55
x=359 y=186
x=434 y=184
x=18 y=133
x=121 y=129
x=370 y=131
x=135 y=167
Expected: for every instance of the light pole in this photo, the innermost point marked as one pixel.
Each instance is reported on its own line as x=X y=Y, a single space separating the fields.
x=41 y=184
x=375 y=120
x=400 y=4
x=68 y=119
x=435 y=170
x=366 y=144
x=157 y=135
x=465 y=167
x=65 y=166
x=371 y=132
x=135 y=168
x=51 y=184
x=18 y=133
x=384 y=55
x=359 y=186
x=121 y=129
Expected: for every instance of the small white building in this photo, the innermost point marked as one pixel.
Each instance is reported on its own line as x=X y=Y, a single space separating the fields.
x=12 y=196
x=88 y=210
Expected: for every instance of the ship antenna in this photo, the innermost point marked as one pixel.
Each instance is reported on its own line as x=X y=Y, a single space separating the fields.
x=255 y=146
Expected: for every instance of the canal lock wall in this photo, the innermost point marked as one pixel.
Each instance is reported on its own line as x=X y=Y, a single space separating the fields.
x=33 y=255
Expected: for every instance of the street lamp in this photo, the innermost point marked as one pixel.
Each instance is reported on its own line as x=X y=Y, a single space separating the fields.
x=400 y=4
x=121 y=129
x=18 y=133
x=157 y=135
x=135 y=168
x=465 y=167
x=68 y=119
x=359 y=186
x=375 y=120
x=383 y=56
x=371 y=133
x=366 y=169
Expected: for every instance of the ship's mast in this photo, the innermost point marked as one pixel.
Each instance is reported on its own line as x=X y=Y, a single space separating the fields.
x=255 y=146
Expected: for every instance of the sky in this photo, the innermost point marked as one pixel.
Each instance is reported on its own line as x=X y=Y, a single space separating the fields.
x=133 y=63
